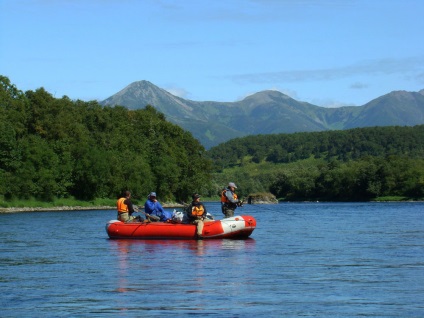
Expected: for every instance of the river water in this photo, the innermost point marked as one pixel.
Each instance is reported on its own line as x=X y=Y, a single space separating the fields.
x=303 y=260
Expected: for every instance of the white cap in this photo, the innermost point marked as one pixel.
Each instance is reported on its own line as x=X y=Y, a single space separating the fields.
x=232 y=184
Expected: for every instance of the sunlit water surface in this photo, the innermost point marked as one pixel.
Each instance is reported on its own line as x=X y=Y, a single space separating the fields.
x=303 y=260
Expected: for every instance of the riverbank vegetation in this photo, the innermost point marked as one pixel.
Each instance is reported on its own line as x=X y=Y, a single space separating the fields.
x=55 y=148
x=57 y=203
x=56 y=151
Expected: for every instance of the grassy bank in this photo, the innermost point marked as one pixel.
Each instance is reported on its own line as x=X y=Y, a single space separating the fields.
x=68 y=202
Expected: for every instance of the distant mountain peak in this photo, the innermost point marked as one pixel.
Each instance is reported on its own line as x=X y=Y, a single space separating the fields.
x=142 y=87
x=266 y=97
x=401 y=95
x=139 y=94
x=268 y=94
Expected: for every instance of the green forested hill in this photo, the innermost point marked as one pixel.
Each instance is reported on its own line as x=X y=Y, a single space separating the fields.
x=330 y=145
x=357 y=164
x=53 y=148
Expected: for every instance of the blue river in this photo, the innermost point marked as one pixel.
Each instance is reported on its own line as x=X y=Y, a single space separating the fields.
x=303 y=260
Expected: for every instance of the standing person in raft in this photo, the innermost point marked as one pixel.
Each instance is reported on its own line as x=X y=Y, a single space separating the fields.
x=125 y=208
x=196 y=213
x=153 y=207
x=229 y=200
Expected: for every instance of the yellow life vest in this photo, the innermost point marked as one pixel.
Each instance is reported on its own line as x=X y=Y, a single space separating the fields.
x=121 y=206
x=197 y=210
x=224 y=198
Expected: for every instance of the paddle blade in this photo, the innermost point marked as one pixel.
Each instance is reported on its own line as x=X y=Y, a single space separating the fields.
x=153 y=217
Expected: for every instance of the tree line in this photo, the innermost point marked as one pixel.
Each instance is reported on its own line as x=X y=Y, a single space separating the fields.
x=352 y=165
x=56 y=147
x=365 y=179
x=59 y=148
x=342 y=145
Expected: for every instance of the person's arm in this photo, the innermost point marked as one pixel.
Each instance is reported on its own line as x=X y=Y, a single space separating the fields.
x=155 y=208
x=159 y=207
x=130 y=206
x=230 y=198
x=189 y=211
x=148 y=207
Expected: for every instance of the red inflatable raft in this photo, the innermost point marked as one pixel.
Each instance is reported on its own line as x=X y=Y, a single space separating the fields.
x=237 y=227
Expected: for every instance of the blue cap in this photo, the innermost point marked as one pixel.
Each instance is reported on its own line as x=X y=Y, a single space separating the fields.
x=152 y=194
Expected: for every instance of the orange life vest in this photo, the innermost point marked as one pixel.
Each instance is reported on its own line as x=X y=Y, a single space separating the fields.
x=197 y=210
x=121 y=206
x=224 y=198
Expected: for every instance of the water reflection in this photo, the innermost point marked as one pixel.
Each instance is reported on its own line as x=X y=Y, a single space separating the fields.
x=183 y=268
x=197 y=247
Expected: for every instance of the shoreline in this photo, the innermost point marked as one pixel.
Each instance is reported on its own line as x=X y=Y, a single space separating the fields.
x=57 y=208
x=72 y=208
x=164 y=205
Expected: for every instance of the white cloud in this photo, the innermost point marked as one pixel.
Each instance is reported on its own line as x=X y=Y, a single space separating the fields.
x=358 y=85
x=177 y=91
x=368 y=67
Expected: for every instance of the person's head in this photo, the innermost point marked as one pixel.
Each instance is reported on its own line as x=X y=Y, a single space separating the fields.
x=196 y=197
x=232 y=186
x=127 y=194
x=152 y=195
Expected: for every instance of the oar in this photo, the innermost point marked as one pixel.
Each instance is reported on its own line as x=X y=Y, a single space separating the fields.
x=153 y=217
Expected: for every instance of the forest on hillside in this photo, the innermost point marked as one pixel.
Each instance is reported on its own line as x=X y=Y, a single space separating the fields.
x=341 y=145
x=351 y=165
x=56 y=147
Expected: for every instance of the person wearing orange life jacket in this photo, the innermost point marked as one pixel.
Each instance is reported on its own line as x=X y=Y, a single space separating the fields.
x=125 y=208
x=196 y=213
x=229 y=200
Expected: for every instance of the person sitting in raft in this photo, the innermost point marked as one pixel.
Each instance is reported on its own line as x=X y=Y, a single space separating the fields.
x=125 y=209
x=196 y=213
x=153 y=207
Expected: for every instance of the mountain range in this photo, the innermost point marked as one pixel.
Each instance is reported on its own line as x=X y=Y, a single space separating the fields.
x=268 y=112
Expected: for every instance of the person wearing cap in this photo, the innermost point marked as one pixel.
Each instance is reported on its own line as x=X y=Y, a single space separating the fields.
x=153 y=207
x=196 y=213
x=126 y=209
x=229 y=200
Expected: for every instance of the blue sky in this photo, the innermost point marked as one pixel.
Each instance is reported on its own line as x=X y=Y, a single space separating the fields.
x=327 y=52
